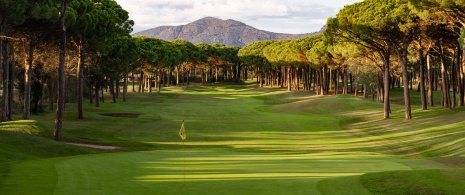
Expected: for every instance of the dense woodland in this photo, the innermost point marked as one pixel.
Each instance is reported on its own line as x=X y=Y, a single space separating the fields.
x=58 y=51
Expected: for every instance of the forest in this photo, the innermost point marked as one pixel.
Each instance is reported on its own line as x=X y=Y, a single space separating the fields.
x=58 y=51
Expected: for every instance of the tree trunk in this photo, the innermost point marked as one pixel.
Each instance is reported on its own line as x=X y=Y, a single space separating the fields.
x=177 y=75
x=424 y=104
x=445 y=83
x=4 y=106
x=402 y=54
x=125 y=86
x=117 y=87
x=460 y=77
x=27 y=82
x=216 y=73
x=97 y=93
x=386 y=63
x=455 y=63
x=80 y=81
x=132 y=80
x=345 y=82
x=101 y=94
x=297 y=79
x=112 y=89
x=430 y=80
x=183 y=75
x=5 y=79
x=91 y=95
x=170 y=73
x=142 y=82
x=149 y=80
x=239 y=70
x=11 y=84
x=188 y=76
x=321 y=80
x=289 y=78
x=61 y=75
x=158 y=81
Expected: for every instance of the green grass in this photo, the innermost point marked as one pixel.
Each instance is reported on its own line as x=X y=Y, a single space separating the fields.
x=450 y=181
x=240 y=139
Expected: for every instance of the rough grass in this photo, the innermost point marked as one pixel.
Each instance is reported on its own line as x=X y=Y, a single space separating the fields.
x=240 y=139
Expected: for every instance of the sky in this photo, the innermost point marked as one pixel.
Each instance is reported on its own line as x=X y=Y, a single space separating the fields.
x=281 y=16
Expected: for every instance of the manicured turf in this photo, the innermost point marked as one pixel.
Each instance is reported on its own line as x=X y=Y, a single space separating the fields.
x=240 y=139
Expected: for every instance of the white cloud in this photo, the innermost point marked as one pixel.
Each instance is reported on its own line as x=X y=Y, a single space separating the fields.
x=293 y=16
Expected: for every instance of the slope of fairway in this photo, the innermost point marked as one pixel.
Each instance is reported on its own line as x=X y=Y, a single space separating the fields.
x=240 y=139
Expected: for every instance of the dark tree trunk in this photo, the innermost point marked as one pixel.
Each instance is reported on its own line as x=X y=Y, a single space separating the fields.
x=386 y=62
x=101 y=92
x=5 y=79
x=430 y=80
x=461 y=78
x=345 y=82
x=117 y=87
x=159 y=81
x=132 y=79
x=149 y=80
x=112 y=89
x=289 y=78
x=4 y=111
x=351 y=88
x=183 y=75
x=239 y=70
x=424 y=104
x=11 y=84
x=125 y=86
x=454 y=78
x=170 y=73
x=188 y=76
x=97 y=93
x=61 y=75
x=445 y=83
x=80 y=82
x=402 y=54
x=141 y=78
x=27 y=82
x=321 y=80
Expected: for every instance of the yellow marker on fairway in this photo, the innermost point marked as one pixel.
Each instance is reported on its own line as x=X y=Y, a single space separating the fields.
x=182 y=131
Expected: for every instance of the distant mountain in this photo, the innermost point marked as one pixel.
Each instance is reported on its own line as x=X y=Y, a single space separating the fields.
x=213 y=30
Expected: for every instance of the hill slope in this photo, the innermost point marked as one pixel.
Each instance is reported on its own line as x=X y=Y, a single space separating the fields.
x=212 y=30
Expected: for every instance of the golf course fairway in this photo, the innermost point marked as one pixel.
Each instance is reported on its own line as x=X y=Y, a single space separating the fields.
x=240 y=140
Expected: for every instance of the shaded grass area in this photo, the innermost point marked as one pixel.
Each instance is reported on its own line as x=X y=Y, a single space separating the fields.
x=20 y=140
x=449 y=181
x=240 y=139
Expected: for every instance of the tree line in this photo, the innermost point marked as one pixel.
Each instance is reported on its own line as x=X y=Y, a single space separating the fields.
x=374 y=46
x=60 y=51
x=64 y=50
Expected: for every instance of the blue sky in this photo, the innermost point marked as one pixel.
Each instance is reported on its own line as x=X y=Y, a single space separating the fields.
x=291 y=16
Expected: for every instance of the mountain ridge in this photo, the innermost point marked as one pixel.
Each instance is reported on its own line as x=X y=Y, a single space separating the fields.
x=213 y=30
